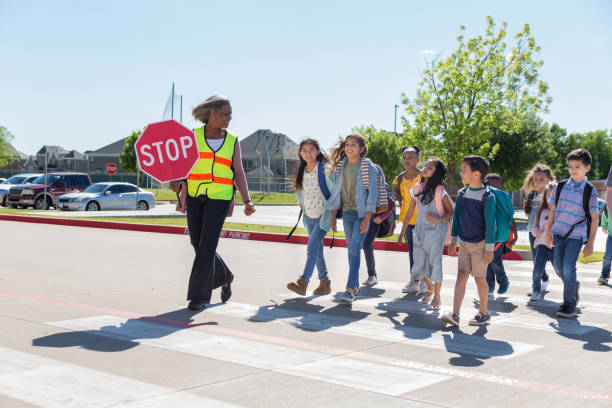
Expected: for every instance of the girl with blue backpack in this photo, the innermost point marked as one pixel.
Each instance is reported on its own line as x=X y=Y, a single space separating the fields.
x=312 y=184
x=355 y=194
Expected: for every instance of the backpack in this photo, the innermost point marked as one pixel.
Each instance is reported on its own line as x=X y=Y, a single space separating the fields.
x=586 y=196
x=324 y=191
x=503 y=210
x=382 y=189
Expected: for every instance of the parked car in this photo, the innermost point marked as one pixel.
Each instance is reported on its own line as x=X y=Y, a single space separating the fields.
x=44 y=191
x=108 y=196
x=12 y=181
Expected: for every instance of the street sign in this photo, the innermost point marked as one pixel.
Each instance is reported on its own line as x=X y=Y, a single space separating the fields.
x=167 y=151
x=111 y=168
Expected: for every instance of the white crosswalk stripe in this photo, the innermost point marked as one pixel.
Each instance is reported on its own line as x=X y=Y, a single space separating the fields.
x=51 y=383
x=357 y=374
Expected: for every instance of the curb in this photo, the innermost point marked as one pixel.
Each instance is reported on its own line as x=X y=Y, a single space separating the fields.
x=231 y=234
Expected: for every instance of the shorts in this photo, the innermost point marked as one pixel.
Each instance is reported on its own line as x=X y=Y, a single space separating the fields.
x=472 y=260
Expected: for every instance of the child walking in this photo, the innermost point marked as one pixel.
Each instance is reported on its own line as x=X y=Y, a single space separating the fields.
x=543 y=253
x=571 y=225
x=354 y=193
x=317 y=220
x=536 y=183
x=474 y=226
x=402 y=185
x=434 y=209
x=607 y=259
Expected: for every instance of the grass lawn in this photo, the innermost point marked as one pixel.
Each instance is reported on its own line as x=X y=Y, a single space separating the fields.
x=596 y=257
x=257 y=198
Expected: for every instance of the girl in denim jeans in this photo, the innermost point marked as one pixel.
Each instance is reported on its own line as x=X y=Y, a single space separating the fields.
x=543 y=253
x=317 y=219
x=354 y=193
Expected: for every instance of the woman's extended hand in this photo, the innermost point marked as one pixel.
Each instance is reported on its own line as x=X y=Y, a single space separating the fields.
x=334 y=226
x=432 y=218
x=249 y=209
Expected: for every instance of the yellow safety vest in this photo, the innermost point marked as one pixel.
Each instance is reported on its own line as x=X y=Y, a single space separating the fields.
x=213 y=175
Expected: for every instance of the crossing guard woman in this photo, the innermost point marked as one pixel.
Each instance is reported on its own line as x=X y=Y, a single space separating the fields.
x=210 y=193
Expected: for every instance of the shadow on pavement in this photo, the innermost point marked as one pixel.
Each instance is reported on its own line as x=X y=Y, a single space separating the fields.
x=124 y=336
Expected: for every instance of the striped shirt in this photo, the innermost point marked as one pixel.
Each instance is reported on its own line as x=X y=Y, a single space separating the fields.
x=570 y=211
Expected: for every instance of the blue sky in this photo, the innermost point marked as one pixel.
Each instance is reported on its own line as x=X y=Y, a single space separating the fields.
x=83 y=74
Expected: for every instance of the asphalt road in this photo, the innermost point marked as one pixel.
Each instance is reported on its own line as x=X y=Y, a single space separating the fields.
x=97 y=318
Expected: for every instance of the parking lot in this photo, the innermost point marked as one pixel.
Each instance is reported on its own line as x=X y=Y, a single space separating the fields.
x=95 y=318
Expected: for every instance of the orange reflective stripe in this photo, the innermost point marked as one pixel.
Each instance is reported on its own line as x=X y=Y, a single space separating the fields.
x=206 y=176
x=221 y=160
x=222 y=180
x=206 y=155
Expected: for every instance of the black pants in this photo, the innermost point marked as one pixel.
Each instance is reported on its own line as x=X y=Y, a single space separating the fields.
x=205 y=219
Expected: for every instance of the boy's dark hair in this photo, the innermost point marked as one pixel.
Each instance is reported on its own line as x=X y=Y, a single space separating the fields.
x=582 y=155
x=416 y=149
x=495 y=176
x=477 y=163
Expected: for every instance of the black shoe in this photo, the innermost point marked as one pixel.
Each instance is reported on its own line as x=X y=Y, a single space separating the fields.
x=577 y=292
x=226 y=291
x=566 y=311
x=195 y=305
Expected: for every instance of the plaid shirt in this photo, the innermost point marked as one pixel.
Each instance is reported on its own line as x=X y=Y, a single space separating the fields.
x=570 y=210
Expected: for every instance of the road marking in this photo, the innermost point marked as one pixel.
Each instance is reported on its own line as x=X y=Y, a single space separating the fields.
x=361 y=375
x=556 y=390
x=529 y=320
x=418 y=336
x=51 y=383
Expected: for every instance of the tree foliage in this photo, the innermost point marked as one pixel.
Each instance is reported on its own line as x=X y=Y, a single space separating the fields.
x=127 y=158
x=384 y=149
x=481 y=86
x=6 y=154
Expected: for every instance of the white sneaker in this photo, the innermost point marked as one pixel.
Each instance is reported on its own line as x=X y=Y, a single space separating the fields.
x=530 y=291
x=412 y=287
x=371 y=281
x=535 y=296
x=545 y=285
x=423 y=287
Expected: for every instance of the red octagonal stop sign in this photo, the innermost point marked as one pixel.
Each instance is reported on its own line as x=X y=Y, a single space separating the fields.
x=167 y=151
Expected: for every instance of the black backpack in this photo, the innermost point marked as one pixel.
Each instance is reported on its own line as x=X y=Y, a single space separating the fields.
x=586 y=196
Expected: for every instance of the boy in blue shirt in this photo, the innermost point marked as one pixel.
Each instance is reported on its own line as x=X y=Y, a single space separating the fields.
x=474 y=226
x=567 y=228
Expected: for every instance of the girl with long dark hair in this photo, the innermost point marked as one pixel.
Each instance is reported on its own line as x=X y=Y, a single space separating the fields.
x=317 y=220
x=434 y=210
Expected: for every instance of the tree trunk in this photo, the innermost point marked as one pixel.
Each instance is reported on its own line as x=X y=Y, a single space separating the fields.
x=450 y=176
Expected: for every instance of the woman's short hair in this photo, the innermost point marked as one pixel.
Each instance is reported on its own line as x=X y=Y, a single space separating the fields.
x=215 y=102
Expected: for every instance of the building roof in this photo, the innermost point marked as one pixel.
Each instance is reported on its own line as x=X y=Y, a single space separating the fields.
x=57 y=150
x=113 y=148
x=73 y=154
x=264 y=142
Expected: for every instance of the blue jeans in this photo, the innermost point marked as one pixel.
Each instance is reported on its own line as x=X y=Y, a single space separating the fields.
x=532 y=239
x=354 y=240
x=409 y=241
x=314 y=250
x=566 y=255
x=495 y=270
x=368 y=247
x=607 y=260
x=543 y=255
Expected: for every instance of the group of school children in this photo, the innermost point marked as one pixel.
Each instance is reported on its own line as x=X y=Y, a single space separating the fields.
x=561 y=219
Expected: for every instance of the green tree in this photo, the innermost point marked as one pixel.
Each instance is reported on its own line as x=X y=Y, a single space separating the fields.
x=481 y=86
x=6 y=153
x=384 y=149
x=127 y=158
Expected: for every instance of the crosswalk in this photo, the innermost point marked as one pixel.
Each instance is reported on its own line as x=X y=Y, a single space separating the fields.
x=382 y=314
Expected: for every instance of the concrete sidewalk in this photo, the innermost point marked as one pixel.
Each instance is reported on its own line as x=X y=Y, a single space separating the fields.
x=97 y=318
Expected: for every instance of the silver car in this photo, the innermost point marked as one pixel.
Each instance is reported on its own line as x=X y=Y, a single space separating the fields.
x=13 y=180
x=107 y=196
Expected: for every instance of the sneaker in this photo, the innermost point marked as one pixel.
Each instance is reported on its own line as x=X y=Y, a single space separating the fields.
x=347 y=297
x=545 y=286
x=451 y=318
x=503 y=288
x=480 y=319
x=412 y=287
x=566 y=311
x=530 y=291
x=371 y=281
x=535 y=296
x=356 y=294
x=423 y=287
x=577 y=292
x=602 y=280
x=435 y=305
x=491 y=294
